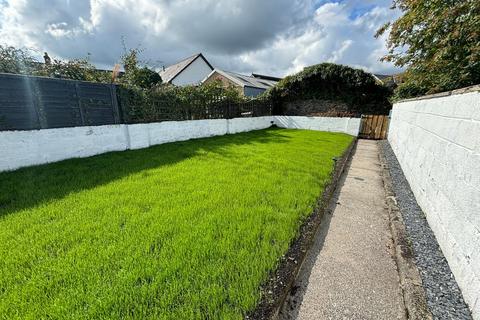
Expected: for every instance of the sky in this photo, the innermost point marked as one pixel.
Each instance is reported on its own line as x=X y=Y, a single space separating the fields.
x=274 y=37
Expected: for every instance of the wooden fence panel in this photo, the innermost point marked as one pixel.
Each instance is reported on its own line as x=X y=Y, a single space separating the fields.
x=374 y=127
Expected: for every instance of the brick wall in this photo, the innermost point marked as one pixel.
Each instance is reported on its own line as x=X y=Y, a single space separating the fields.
x=437 y=142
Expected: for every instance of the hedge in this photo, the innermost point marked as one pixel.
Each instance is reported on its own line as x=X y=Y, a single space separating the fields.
x=327 y=81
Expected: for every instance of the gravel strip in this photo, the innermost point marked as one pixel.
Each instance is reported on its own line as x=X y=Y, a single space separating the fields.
x=444 y=297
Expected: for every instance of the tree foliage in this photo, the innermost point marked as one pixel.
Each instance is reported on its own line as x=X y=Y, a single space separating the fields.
x=14 y=60
x=146 y=78
x=75 y=69
x=439 y=43
x=328 y=81
x=134 y=74
x=22 y=61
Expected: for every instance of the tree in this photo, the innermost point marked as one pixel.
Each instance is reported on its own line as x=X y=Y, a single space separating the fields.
x=22 y=61
x=19 y=61
x=146 y=78
x=135 y=75
x=439 y=43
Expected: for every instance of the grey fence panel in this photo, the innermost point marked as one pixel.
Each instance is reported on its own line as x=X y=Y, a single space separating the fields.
x=17 y=109
x=97 y=103
x=57 y=103
x=28 y=102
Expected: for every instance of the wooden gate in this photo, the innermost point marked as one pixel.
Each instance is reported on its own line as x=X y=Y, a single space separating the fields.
x=374 y=127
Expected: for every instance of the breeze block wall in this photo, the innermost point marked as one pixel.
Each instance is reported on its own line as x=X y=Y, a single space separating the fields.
x=437 y=142
x=332 y=124
x=21 y=148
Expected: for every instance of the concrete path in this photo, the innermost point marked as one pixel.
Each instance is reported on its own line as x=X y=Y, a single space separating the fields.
x=350 y=272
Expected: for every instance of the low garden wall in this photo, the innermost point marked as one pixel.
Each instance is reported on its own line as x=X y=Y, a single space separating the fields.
x=437 y=142
x=33 y=147
x=345 y=125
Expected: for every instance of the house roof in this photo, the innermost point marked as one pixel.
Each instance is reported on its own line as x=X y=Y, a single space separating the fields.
x=388 y=79
x=381 y=76
x=245 y=81
x=174 y=70
x=262 y=76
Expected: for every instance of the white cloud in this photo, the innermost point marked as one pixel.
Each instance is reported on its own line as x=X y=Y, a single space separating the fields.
x=331 y=36
x=275 y=36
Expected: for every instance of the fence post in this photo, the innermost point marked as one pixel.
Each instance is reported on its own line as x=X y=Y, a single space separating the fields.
x=228 y=111
x=79 y=104
x=37 y=102
x=115 y=106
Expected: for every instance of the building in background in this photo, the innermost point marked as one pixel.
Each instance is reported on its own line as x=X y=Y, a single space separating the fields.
x=249 y=86
x=264 y=77
x=391 y=81
x=189 y=71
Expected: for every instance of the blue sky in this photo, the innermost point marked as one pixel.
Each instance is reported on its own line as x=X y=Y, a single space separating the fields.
x=275 y=37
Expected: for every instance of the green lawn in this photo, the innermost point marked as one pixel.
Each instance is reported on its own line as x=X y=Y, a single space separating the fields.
x=186 y=230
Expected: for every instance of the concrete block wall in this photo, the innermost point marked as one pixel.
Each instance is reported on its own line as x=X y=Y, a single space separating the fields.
x=33 y=147
x=437 y=142
x=346 y=125
x=149 y=134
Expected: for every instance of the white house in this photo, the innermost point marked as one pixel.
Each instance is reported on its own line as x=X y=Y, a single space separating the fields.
x=191 y=70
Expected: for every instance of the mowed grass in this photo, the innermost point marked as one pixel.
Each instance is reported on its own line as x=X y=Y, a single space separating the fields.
x=186 y=230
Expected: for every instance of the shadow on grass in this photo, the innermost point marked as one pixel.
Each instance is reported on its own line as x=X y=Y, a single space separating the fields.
x=28 y=187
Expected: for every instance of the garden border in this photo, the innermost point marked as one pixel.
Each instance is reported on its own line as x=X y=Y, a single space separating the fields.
x=411 y=284
x=276 y=289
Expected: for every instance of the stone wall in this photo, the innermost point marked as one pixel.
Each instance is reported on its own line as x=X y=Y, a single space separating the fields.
x=314 y=107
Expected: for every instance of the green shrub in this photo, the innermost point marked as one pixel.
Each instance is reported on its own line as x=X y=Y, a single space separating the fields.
x=328 y=81
x=146 y=78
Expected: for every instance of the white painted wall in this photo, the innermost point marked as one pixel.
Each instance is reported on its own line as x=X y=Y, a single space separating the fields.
x=149 y=134
x=346 y=125
x=437 y=142
x=25 y=148
x=193 y=74
x=33 y=147
x=248 y=124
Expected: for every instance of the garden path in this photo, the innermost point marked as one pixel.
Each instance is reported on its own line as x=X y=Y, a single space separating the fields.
x=350 y=272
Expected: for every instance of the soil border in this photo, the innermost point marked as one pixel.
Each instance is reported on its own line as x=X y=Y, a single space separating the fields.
x=280 y=283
